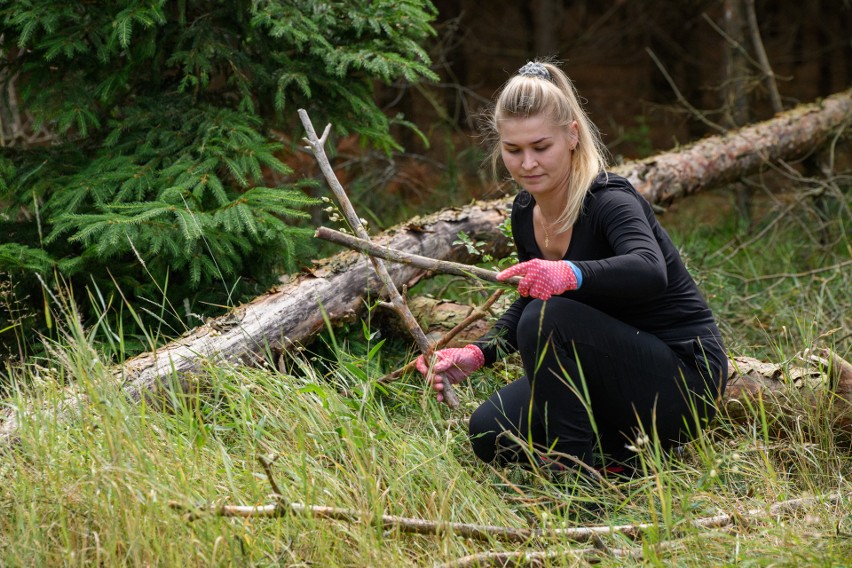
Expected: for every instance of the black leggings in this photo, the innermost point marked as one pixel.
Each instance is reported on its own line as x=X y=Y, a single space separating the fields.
x=592 y=382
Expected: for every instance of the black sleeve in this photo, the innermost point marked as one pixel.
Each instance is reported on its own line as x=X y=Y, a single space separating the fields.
x=638 y=267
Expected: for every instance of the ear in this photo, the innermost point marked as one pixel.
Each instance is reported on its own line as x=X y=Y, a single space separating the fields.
x=574 y=134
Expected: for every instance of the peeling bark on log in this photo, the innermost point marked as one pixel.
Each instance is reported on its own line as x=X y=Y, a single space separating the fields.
x=717 y=160
x=290 y=314
x=781 y=388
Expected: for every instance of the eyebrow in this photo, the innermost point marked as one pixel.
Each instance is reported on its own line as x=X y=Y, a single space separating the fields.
x=539 y=141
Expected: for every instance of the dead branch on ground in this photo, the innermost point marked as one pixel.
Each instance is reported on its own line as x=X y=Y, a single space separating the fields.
x=412 y=525
x=424 y=262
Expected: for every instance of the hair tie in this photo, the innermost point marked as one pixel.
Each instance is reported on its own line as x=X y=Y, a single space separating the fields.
x=534 y=69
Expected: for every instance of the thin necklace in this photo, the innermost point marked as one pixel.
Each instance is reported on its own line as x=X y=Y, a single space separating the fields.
x=544 y=227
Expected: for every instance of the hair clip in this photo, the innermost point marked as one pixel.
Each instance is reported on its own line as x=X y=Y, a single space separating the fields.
x=534 y=69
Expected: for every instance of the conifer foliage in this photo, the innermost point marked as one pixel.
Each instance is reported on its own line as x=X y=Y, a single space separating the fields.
x=162 y=167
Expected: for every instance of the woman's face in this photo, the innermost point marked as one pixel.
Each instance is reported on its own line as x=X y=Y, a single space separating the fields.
x=537 y=153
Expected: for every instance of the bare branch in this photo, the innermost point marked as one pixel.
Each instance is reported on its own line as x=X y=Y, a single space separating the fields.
x=424 y=262
x=695 y=112
x=317 y=146
x=489 y=532
x=760 y=51
x=267 y=468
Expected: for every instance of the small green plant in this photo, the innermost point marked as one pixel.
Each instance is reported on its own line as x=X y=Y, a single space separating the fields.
x=640 y=136
x=472 y=247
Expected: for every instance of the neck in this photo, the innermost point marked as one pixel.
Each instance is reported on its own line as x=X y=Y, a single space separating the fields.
x=551 y=207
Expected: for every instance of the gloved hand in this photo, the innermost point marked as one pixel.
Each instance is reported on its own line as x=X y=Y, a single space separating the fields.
x=452 y=364
x=542 y=278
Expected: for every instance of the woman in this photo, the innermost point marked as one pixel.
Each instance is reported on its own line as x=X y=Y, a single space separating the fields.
x=616 y=340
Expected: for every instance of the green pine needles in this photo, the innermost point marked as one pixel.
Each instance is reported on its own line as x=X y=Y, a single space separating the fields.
x=163 y=164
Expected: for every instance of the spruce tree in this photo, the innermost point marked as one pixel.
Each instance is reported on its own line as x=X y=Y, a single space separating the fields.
x=164 y=175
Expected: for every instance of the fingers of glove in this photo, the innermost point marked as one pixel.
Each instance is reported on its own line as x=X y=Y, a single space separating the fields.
x=539 y=270
x=516 y=270
x=524 y=287
x=443 y=362
x=437 y=383
x=455 y=376
x=541 y=291
x=421 y=365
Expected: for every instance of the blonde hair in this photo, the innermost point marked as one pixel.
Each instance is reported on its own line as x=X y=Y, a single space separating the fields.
x=529 y=94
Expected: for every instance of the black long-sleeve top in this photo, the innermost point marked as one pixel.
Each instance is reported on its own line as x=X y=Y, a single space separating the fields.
x=630 y=268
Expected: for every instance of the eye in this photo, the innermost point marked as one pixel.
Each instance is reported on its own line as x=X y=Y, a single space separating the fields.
x=512 y=150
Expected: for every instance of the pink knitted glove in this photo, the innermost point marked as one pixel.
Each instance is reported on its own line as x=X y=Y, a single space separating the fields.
x=452 y=364
x=542 y=278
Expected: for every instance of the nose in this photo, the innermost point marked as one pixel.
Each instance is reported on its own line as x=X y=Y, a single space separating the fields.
x=529 y=162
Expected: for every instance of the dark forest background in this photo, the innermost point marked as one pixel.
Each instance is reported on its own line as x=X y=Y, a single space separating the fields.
x=604 y=47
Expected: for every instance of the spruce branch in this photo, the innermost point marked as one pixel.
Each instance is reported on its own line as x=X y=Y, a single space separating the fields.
x=317 y=146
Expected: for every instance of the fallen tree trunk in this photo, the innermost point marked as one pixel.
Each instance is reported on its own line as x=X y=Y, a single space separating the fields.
x=822 y=378
x=718 y=160
x=292 y=313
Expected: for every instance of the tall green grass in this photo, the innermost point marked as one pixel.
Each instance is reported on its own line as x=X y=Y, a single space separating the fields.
x=91 y=484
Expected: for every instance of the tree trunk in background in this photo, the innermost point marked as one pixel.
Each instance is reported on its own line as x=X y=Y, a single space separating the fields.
x=450 y=60
x=547 y=18
x=760 y=53
x=735 y=88
x=736 y=77
x=293 y=313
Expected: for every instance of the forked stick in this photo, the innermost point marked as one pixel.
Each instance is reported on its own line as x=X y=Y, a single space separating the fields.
x=397 y=303
x=475 y=315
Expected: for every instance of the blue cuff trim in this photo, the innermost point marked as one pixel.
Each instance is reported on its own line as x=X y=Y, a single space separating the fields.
x=577 y=273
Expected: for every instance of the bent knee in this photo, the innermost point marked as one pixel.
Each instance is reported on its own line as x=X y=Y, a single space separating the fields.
x=557 y=317
x=483 y=429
